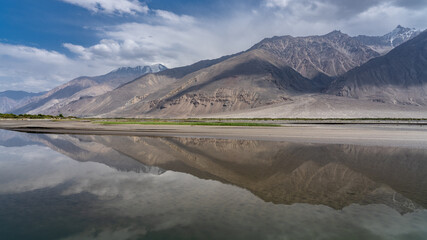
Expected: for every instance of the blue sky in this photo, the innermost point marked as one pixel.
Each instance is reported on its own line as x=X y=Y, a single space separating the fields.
x=45 y=43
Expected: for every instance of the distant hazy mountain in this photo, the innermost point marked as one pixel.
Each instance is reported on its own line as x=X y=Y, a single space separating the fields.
x=19 y=95
x=399 y=77
x=11 y=99
x=385 y=43
x=83 y=87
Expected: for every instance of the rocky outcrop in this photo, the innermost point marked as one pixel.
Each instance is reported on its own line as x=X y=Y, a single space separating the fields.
x=332 y=54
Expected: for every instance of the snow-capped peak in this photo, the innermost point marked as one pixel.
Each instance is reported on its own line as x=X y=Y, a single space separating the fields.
x=400 y=34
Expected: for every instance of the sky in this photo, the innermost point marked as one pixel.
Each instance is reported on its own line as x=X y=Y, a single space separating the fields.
x=46 y=43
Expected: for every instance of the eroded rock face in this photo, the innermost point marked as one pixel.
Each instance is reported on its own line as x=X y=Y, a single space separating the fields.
x=222 y=100
x=331 y=54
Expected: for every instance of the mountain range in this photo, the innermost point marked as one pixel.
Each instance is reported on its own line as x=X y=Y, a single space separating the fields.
x=83 y=87
x=385 y=43
x=398 y=77
x=332 y=75
x=11 y=99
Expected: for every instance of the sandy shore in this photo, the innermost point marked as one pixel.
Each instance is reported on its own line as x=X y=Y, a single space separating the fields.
x=359 y=134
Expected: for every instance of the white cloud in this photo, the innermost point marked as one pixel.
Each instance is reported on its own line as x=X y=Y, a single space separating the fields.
x=111 y=6
x=170 y=39
x=174 y=18
x=177 y=40
x=34 y=69
x=26 y=53
x=277 y=3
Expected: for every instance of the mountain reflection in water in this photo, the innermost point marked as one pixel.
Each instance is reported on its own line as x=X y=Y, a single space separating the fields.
x=149 y=178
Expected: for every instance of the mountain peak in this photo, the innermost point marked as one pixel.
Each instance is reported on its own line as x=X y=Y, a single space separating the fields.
x=400 y=35
x=312 y=55
x=385 y=43
x=335 y=32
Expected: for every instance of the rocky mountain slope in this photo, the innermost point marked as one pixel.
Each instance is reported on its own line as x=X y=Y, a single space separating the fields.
x=399 y=77
x=84 y=87
x=385 y=43
x=333 y=75
x=332 y=54
x=12 y=99
x=271 y=72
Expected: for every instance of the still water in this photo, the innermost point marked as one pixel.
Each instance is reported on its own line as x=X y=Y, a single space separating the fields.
x=119 y=187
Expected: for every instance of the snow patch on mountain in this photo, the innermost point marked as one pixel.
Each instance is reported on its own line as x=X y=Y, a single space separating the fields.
x=400 y=35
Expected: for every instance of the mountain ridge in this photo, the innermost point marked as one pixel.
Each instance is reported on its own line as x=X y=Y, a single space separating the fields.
x=400 y=76
x=388 y=41
x=84 y=86
x=279 y=71
x=10 y=99
x=331 y=54
x=262 y=75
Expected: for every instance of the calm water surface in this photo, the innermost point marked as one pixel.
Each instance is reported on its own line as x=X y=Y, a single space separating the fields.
x=118 y=187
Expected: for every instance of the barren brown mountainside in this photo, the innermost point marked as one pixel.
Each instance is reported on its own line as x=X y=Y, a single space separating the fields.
x=399 y=77
x=248 y=80
x=271 y=72
x=293 y=72
x=332 y=54
x=82 y=87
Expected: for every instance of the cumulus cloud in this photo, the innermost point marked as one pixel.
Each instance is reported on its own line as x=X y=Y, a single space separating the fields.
x=170 y=39
x=34 y=69
x=173 y=18
x=373 y=17
x=111 y=6
x=177 y=40
x=343 y=5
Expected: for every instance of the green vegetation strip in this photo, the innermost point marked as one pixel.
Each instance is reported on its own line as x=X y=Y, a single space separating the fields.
x=30 y=116
x=254 y=119
x=193 y=123
x=308 y=119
